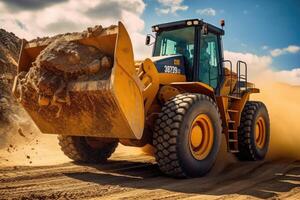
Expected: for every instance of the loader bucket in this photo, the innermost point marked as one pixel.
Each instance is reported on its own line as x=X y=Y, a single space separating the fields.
x=110 y=107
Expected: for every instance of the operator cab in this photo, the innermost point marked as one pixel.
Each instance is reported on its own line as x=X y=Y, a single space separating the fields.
x=197 y=43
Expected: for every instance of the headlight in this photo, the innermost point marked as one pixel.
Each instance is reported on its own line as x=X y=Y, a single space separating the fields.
x=196 y=22
x=189 y=23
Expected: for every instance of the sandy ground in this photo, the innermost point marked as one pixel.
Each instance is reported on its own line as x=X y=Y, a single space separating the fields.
x=130 y=174
x=126 y=178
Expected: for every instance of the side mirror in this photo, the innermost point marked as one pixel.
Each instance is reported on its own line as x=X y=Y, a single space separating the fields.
x=148 y=40
x=204 y=30
x=222 y=23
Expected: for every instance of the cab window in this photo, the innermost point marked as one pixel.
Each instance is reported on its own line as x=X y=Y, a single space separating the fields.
x=209 y=60
x=173 y=42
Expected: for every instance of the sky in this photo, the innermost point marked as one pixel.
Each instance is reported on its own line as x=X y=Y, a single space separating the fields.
x=264 y=33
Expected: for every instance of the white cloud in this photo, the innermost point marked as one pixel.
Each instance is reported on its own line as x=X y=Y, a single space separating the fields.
x=207 y=12
x=265 y=47
x=74 y=15
x=289 y=76
x=290 y=49
x=170 y=7
x=163 y=11
x=255 y=63
x=260 y=68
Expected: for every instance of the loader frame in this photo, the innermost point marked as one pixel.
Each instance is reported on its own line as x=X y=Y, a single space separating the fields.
x=233 y=89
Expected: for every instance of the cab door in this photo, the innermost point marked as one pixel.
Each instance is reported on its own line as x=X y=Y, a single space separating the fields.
x=209 y=65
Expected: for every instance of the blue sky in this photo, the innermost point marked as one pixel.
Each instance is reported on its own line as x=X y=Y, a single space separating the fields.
x=256 y=26
x=264 y=33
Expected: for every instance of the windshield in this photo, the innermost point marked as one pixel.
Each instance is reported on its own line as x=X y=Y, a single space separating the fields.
x=179 y=41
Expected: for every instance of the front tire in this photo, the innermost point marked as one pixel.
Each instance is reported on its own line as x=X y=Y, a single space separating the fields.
x=254 y=132
x=78 y=149
x=187 y=135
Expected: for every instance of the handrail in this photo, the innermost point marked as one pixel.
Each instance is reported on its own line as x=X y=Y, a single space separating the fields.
x=241 y=76
x=231 y=76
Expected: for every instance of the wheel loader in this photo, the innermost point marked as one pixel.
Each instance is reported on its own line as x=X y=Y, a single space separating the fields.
x=180 y=101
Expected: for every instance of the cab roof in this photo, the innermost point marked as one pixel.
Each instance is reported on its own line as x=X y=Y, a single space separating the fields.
x=186 y=23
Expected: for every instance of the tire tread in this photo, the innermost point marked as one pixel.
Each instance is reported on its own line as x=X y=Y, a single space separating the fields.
x=166 y=131
x=246 y=146
x=77 y=149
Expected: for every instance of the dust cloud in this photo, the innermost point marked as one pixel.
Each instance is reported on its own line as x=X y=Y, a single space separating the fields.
x=21 y=143
x=283 y=103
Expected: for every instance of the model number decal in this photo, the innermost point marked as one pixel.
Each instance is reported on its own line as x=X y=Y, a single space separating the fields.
x=171 y=69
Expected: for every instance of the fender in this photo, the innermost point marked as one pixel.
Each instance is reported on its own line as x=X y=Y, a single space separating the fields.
x=195 y=87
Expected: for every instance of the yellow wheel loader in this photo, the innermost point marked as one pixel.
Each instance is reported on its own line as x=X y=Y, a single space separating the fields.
x=181 y=100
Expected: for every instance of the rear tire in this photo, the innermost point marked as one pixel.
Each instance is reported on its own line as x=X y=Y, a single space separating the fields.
x=172 y=135
x=254 y=132
x=78 y=149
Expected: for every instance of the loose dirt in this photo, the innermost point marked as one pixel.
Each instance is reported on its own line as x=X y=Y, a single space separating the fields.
x=45 y=85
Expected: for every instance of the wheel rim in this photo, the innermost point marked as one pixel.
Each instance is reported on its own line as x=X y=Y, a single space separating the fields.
x=260 y=132
x=201 y=137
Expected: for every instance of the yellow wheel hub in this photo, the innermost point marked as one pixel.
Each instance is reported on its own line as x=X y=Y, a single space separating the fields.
x=260 y=132
x=201 y=137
